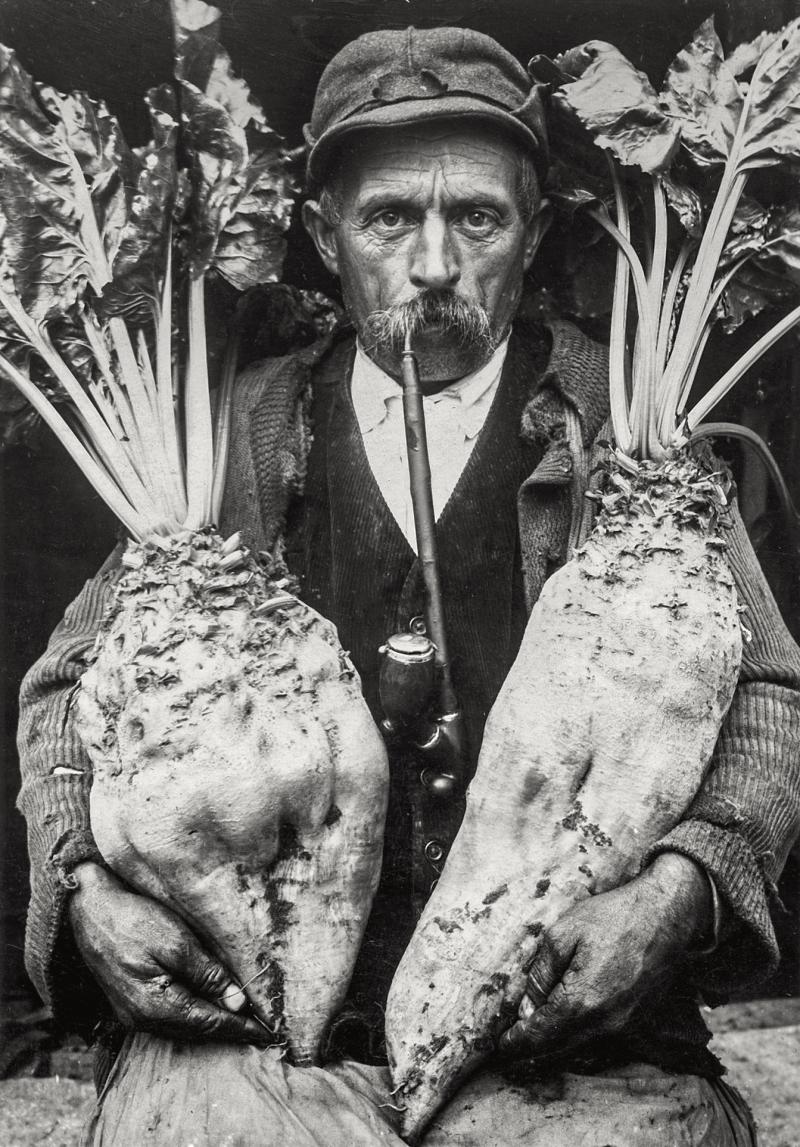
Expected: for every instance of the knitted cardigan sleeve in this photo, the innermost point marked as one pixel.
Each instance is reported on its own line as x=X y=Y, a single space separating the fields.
x=56 y=776
x=744 y=820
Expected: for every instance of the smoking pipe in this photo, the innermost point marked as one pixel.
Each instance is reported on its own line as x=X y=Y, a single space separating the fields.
x=416 y=685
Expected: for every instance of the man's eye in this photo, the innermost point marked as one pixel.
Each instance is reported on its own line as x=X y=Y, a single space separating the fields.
x=389 y=219
x=478 y=221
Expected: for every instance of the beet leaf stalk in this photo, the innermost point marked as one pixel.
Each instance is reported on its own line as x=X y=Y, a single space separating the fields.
x=105 y=252
x=699 y=143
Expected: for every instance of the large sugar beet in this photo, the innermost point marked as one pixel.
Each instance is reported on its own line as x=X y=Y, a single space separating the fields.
x=594 y=748
x=238 y=775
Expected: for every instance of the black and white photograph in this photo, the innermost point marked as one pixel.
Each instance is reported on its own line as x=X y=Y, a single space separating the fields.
x=400 y=573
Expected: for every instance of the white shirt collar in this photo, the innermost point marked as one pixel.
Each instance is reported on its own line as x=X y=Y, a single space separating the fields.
x=372 y=388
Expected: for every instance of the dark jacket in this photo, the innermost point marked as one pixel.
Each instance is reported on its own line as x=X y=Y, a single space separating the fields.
x=512 y=519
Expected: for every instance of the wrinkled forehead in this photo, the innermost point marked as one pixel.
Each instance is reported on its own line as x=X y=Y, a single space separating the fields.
x=448 y=152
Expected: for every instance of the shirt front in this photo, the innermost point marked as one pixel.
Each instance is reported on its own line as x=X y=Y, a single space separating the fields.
x=453 y=420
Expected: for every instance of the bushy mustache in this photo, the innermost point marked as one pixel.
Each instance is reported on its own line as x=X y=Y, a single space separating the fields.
x=469 y=322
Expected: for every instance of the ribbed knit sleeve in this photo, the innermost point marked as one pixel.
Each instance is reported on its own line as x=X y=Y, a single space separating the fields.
x=56 y=775
x=746 y=817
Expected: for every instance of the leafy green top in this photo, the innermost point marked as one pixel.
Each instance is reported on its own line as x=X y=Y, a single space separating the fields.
x=695 y=247
x=95 y=237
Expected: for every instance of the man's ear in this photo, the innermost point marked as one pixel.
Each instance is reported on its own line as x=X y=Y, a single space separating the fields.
x=323 y=234
x=537 y=229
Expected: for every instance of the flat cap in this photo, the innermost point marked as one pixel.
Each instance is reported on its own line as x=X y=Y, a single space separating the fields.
x=401 y=77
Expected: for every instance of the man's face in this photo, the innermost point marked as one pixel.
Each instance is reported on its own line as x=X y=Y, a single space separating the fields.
x=430 y=206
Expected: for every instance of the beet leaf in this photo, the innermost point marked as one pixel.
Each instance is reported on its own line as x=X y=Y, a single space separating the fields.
x=104 y=253
x=712 y=248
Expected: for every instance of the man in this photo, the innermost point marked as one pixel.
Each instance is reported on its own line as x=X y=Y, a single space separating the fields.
x=426 y=152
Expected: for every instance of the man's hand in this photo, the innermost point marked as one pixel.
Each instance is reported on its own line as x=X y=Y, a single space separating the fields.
x=153 y=970
x=595 y=964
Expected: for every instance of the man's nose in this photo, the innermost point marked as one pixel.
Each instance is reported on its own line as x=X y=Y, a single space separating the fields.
x=434 y=261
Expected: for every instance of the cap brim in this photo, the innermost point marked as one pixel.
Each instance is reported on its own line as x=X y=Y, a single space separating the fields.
x=407 y=112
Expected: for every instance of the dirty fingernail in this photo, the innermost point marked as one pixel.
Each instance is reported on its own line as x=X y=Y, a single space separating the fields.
x=233 y=998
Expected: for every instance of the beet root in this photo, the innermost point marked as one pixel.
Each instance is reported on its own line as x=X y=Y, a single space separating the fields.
x=596 y=744
x=238 y=775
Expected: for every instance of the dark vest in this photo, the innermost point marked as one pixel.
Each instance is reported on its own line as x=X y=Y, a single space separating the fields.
x=357 y=568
